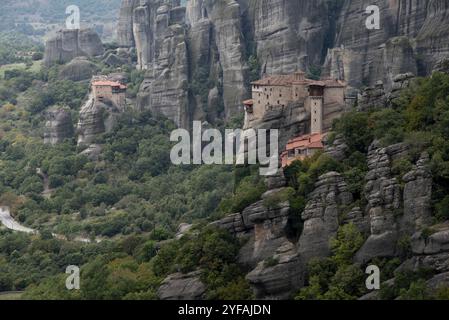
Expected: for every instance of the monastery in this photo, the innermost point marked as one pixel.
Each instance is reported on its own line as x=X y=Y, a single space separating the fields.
x=323 y=100
x=104 y=89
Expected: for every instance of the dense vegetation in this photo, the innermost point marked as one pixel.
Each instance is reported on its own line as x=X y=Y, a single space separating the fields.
x=420 y=119
x=13 y=43
x=134 y=199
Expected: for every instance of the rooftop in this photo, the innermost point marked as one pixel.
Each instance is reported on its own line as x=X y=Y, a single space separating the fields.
x=311 y=141
x=107 y=83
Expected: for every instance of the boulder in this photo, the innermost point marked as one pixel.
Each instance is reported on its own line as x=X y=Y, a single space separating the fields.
x=278 y=277
x=79 y=69
x=182 y=287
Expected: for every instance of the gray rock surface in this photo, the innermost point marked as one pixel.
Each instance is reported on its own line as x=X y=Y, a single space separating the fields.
x=337 y=148
x=79 y=69
x=384 y=196
x=95 y=118
x=285 y=35
x=417 y=197
x=69 y=44
x=321 y=216
x=182 y=287
x=59 y=125
x=281 y=278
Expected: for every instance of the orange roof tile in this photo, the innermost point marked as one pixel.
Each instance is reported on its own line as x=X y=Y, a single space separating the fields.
x=313 y=141
x=107 y=83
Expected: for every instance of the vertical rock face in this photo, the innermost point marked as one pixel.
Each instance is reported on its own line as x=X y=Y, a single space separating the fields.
x=289 y=35
x=158 y=32
x=69 y=44
x=321 y=216
x=285 y=35
x=384 y=197
x=417 y=197
x=227 y=26
x=95 y=118
x=410 y=39
x=378 y=96
x=59 y=126
x=125 y=36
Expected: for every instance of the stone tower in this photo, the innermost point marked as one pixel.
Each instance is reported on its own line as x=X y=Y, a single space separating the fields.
x=316 y=109
x=316 y=100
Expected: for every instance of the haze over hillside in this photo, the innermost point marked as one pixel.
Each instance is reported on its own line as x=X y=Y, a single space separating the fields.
x=37 y=17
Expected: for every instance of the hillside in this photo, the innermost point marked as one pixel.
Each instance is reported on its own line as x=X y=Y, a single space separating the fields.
x=36 y=18
x=86 y=177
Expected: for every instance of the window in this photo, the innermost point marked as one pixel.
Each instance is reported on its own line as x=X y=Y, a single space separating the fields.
x=291 y=153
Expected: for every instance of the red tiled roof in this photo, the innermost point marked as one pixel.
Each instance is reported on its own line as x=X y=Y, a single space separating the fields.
x=312 y=141
x=249 y=102
x=107 y=83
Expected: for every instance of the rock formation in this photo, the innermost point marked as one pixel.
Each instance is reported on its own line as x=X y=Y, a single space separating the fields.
x=69 y=44
x=79 y=69
x=322 y=216
x=59 y=125
x=95 y=118
x=182 y=287
x=377 y=96
x=209 y=43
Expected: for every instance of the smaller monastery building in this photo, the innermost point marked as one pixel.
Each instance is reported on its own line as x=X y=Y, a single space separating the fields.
x=302 y=147
x=107 y=90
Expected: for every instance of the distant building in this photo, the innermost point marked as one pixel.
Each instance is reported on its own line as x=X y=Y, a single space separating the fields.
x=322 y=99
x=106 y=90
x=302 y=147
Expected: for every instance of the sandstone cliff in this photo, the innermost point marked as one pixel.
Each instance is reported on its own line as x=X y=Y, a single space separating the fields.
x=59 y=125
x=197 y=57
x=69 y=44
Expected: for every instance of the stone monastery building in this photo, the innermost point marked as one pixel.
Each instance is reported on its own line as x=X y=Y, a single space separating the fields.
x=106 y=90
x=323 y=99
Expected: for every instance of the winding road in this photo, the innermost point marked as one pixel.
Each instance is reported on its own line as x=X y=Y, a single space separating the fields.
x=8 y=221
